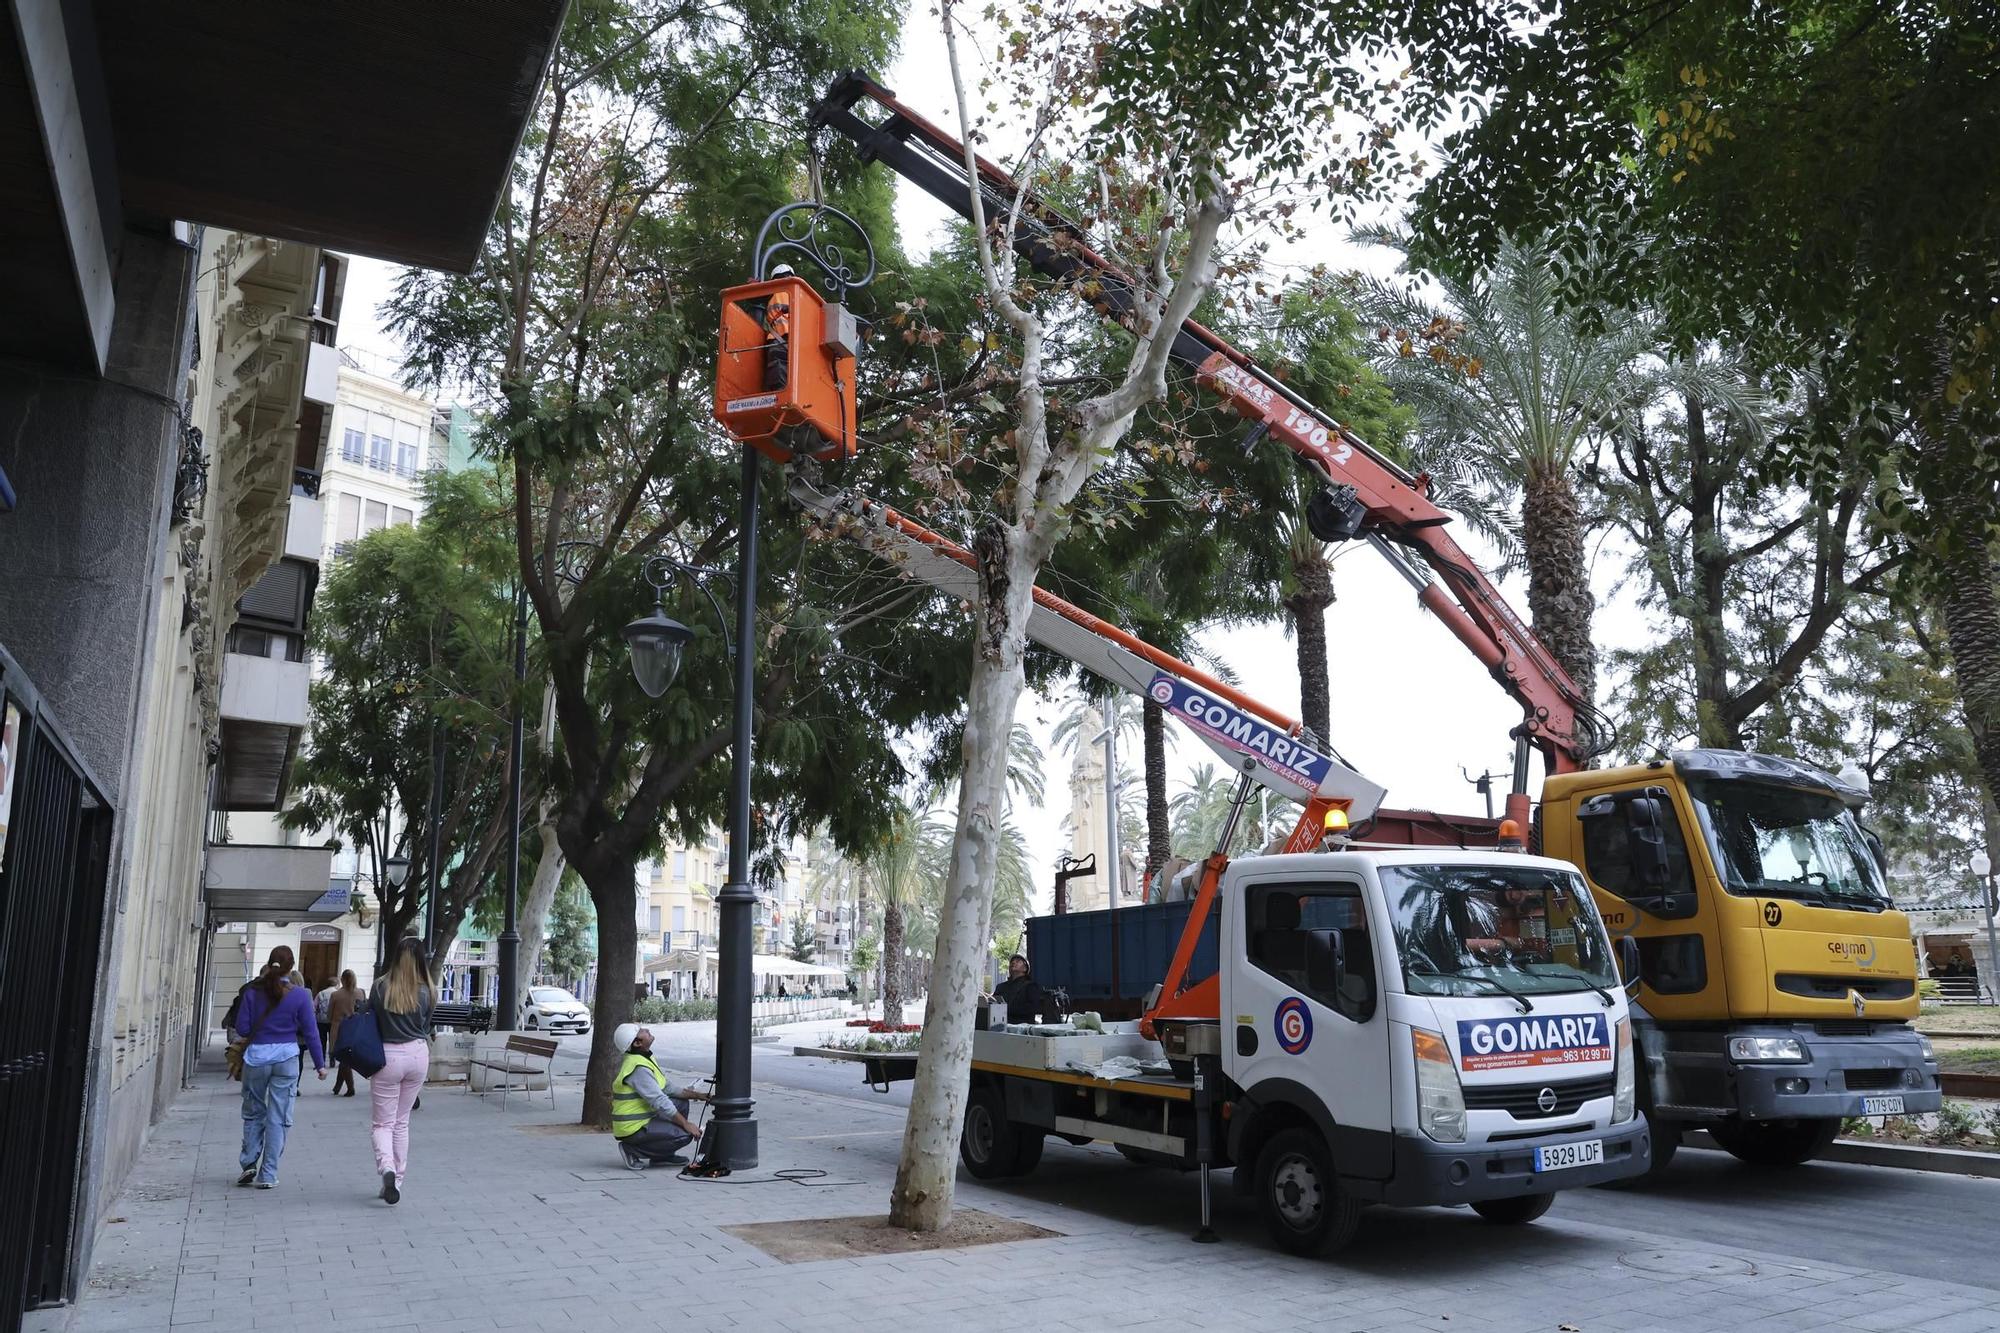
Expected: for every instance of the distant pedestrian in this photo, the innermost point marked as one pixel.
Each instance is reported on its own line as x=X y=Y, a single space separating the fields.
x=402 y=1004
x=320 y=1002
x=340 y=1007
x=276 y=1019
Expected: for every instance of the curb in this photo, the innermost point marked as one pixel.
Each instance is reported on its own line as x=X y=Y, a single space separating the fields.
x=1860 y=1152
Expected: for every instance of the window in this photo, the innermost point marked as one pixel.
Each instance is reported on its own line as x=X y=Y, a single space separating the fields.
x=1283 y=916
x=680 y=865
x=352 y=444
x=1489 y=929
x=1608 y=860
x=348 y=526
x=1785 y=842
x=375 y=515
x=381 y=442
x=400 y=517
x=653 y=918
x=407 y=449
x=680 y=919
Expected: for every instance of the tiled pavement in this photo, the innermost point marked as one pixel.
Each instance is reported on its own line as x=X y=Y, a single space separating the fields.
x=507 y=1227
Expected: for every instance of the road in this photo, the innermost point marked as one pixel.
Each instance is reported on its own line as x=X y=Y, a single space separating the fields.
x=1915 y=1223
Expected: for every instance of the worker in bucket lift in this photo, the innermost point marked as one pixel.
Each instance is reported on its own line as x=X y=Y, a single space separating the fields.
x=650 y=1123
x=1020 y=992
x=1511 y=923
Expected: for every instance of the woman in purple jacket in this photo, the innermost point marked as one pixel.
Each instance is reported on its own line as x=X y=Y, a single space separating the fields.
x=277 y=1018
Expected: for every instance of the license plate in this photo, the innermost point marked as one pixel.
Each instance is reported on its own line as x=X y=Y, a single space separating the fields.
x=1562 y=1156
x=1881 y=1106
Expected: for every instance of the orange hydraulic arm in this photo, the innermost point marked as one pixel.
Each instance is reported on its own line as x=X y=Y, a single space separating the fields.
x=1363 y=493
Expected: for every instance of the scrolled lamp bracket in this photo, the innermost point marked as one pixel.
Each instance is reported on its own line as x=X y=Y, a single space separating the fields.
x=806 y=230
x=656 y=639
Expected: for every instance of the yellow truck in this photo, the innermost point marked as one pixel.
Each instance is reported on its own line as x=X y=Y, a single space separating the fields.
x=1777 y=981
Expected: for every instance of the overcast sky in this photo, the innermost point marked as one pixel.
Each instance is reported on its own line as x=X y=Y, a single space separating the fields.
x=1411 y=708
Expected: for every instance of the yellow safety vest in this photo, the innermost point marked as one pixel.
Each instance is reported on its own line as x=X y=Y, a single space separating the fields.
x=629 y=1111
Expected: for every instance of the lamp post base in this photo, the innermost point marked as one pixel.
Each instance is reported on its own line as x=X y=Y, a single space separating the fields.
x=730 y=1144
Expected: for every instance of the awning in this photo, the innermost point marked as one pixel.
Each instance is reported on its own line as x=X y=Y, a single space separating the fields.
x=278 y=885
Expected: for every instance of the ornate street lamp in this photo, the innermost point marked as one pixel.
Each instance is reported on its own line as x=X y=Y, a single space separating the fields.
x=656 y=641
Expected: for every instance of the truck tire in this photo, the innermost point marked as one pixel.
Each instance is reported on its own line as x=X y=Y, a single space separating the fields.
x=1515 y=1211
x=989 y=1144
x=1775 y=1144
x=1027 y=1149
x=1307 y=1211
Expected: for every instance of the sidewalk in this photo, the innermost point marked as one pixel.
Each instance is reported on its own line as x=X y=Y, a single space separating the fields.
x=510 y=1223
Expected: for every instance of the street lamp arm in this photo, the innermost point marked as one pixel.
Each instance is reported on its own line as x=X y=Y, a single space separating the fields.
x=659 y=570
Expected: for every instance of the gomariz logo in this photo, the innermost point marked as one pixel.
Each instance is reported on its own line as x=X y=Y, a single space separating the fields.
x=1294 y=1023
x=1516 y=1043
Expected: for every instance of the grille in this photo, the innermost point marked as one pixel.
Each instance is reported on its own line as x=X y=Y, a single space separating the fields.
x=1836 y=988
x=1522 y=1100
x=1869 y=1080
x=1843 y=1029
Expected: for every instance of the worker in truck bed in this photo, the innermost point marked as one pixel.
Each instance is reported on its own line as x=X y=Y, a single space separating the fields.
x=1022 y=995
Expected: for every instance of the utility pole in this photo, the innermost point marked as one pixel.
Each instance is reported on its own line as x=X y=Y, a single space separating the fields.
x=431 y=852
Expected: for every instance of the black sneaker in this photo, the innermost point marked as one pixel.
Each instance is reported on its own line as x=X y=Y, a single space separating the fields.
x=249 y=1174
x=633 y=1161
x=389 y=1191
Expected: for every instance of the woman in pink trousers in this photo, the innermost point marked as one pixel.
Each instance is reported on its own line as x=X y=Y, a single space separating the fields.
x=402 y=1002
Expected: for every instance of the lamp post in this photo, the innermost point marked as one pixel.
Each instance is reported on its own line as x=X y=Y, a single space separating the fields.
x=433 y=840
x=1982 y=866
x=510 y=934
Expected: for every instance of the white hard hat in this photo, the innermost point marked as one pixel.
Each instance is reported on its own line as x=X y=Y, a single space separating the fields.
x=625 y=1035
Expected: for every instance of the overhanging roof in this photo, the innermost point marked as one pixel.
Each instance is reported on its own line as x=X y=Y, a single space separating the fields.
x=381 y=126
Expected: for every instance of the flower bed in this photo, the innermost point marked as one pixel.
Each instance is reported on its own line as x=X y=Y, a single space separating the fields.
x=877 y=1025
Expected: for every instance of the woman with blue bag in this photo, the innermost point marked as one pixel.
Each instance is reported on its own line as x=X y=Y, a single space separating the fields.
x=275 y=1020
x=400 y=1005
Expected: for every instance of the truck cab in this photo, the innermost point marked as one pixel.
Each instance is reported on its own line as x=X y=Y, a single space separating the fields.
x=1776 y=979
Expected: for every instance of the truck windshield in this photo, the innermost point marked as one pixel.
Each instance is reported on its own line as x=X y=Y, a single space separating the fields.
x=1479 y=930
x=1788 y=842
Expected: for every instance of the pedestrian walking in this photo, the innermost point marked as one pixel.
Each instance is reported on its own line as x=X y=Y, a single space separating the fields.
x=320 y=1002
x=340 y=1007
x=276 y=1020
x=402 y=1004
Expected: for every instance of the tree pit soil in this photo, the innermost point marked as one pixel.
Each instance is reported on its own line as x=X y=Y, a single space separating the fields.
x=810 y=1239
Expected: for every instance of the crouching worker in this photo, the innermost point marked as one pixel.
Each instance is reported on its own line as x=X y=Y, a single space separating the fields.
x=650 y=1123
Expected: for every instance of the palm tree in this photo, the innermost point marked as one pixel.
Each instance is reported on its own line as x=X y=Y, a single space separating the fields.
x=1511 y=392
x=893 y=871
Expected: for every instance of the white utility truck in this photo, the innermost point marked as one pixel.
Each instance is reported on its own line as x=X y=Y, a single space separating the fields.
x=1397 y=1026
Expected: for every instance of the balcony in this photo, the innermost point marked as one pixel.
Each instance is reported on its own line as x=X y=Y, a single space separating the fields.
x=322 y=363
x=263 y=710
x=305 y=522
x=279 y=885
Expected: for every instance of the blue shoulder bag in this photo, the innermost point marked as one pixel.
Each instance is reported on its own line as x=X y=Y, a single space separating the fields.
x=360 y=1044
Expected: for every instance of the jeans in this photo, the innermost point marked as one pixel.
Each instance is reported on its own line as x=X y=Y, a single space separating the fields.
x=268 y=1094
x=392 y=1092
x=660 y=1138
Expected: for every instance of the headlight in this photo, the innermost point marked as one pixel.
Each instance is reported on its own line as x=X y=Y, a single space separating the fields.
x=1627 y=1080
x=1930 y=1051
x=1440 y=1104
x=1750 y=1050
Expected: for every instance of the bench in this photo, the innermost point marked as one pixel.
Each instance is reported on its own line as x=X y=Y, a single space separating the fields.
x=521 y=1055
x=464 y=1017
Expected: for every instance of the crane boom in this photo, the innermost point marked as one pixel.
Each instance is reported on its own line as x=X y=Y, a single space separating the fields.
x=1246 y=733
x=1363 y=492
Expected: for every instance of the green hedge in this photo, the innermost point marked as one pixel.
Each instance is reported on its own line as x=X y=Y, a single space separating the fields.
x=654 y=1009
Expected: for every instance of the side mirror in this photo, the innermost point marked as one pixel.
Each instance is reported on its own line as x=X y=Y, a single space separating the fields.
x=1877 y=850
x=1628 y=963
x=1646 y=841
x=1326 y=962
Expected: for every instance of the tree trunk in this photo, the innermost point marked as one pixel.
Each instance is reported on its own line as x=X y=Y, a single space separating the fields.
x=1159 y=823
x=613 y=890
x=1312 y=594
x=927 y=1171
x=1972 y=621
x=892 y=962
x=1559 y=599
x=1709 y=561
x=534 y=914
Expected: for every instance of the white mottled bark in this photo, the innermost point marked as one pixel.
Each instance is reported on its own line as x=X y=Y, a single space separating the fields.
x=534 y=918
x=1011 y=550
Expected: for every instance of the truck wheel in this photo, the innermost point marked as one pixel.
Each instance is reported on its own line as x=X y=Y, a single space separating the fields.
x=1307 y=1211
x=988 y=1145
x=1775 y=1144
x=1027 y=1149
x=1515 y=1211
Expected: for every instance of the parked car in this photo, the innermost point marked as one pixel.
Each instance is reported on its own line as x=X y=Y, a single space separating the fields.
x=554 y=1009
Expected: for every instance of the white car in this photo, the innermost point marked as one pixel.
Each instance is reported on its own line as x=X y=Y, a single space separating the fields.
x=554 y=1009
